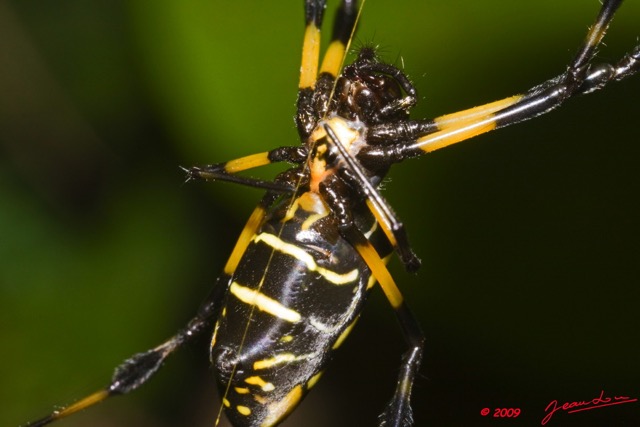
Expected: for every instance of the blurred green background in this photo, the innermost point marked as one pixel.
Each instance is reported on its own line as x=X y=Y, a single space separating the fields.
x=529 y=236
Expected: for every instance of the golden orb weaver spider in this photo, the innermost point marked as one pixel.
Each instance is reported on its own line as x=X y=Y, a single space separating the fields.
x=403 y=215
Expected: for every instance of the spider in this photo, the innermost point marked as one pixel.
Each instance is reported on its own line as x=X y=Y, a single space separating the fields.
x=354 y=123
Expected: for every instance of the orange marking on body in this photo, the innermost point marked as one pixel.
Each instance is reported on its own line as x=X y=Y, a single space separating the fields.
x=318 y=173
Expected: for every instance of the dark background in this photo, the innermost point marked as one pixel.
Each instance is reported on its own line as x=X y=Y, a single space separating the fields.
x=529 y=235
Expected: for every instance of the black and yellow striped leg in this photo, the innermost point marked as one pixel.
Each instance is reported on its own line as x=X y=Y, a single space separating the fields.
x=398 y=412
x=390 y=224
x=313 y=16
x=343 y=28
x=316 y=81
x=306 y=105
x=413 y=129
x=249 y=230
x=594 y=38
x=581 y=77
x=227 y=171
x=136 y=370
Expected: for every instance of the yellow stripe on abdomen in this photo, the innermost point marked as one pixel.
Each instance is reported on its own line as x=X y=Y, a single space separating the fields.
x=264 y=303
